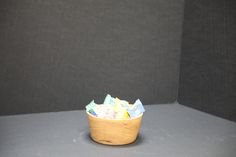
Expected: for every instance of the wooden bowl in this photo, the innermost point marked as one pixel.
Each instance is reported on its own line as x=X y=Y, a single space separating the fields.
x=114 y=131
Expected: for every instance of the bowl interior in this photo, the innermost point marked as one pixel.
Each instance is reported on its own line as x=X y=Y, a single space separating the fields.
x=115 y=119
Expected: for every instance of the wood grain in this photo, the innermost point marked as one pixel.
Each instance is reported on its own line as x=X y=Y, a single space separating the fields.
x=113 y=132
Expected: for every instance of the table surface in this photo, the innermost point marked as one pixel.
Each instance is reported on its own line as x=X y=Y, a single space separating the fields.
x=169 y=130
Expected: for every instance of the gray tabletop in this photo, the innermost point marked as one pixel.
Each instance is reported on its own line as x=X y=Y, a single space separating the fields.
x=169 y=130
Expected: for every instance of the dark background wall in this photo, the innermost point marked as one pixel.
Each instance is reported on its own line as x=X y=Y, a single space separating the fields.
x=208 y=60
x=58 y=55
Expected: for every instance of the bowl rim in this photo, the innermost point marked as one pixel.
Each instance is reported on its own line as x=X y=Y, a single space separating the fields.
x=140 y=115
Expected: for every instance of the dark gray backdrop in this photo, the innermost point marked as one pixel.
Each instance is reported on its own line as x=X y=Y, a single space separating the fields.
x=208 y=60
x=58 y=55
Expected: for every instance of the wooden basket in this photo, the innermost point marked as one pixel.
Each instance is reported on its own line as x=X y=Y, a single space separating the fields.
x=113 y=131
